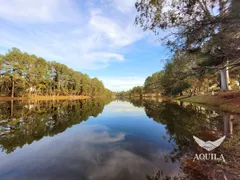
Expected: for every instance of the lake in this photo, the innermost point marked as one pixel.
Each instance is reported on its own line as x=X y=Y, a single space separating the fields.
x=111 y=140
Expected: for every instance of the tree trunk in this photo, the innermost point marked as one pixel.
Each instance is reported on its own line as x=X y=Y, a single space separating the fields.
x=181 y=93
x=231 y=125
x=224 y=81
x=228 y=78
x=181 y=103
x=194 y=91
x=12 y=91
x=207 y=85
x=226 y=124
x=190 y=92
x=11 y=109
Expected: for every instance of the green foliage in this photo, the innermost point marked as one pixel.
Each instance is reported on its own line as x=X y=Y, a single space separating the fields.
x=152 y=84
x=192 y=22
x=206 y=29
x=136 y=91
x=174 y=81
x=23 y=74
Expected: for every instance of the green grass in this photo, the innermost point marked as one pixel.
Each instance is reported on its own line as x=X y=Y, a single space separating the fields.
x=226 y=101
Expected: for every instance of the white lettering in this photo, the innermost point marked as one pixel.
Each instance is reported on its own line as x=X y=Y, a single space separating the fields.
x=195 y=157
x=208 y=157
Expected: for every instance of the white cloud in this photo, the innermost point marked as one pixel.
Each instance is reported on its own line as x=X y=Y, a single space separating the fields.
x=57 y=30
x=78 y=149
x=86 y=38
x=123 y=109
x=96 y=60
x=37 y=11
x=118 y=34
x=122 y=83
x=124 y=5
x=102 y=137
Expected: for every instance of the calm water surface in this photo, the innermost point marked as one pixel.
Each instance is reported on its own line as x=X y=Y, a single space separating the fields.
x=103 y=139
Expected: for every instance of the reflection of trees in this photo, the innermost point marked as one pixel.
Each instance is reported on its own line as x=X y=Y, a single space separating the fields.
x=24 y=123
x=137 y=102
x=159 y=175
x=184 y=121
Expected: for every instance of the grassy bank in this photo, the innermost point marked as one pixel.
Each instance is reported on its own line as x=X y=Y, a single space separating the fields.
x=44 y=98
x=227 y=101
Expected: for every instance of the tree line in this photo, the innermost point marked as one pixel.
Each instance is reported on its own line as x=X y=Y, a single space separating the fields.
x=22 y=74
x=204 y=39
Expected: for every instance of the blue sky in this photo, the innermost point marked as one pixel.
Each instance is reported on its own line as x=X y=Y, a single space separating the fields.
x=96 y=37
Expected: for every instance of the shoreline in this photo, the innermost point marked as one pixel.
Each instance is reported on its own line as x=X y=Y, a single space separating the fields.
x=226 y=101
x=44 y=98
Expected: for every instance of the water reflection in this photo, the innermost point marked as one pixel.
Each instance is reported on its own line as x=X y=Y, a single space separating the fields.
x=183 y=120
x=24 y=122
x=124 y=140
